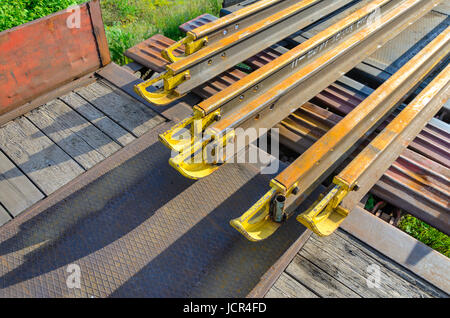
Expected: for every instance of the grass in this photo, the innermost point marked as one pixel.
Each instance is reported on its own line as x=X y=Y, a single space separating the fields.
x=426 y=234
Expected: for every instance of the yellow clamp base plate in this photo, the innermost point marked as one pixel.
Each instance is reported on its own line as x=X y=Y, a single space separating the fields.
x=256 y=224
x=191 y=162
x=165 y=95
x=325 y=215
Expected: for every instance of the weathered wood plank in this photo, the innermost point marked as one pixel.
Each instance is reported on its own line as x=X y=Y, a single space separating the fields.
x=317 y=280
x=99 y=119
x=401 y=247
x=74 y=134
x=350 y=266
x=17 y=192
x=37 y=156
x=120 y=107
x=4 y=216
x=274 y=272
x=287 y=287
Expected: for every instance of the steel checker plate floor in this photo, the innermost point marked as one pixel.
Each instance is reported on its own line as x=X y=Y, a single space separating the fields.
x=142 y=230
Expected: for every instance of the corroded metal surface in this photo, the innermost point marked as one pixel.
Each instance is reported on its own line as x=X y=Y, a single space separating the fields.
x=418 y=184
x=247 y=41
x=208 y=56
x=27 y=72
x=403 y=81
x=363 y=172
x=318 y=161
x=301 y=129
x=148 y=52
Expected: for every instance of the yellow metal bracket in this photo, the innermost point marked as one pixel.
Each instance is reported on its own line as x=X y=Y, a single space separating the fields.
x=266 y=215
x=194 y=163
x=256 y=224
x=191 y=46
x=185 y=133
x=165 y=95
x=326 y=214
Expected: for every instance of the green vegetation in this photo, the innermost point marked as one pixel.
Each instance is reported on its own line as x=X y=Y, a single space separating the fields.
x=127 y=22
x=426 y=234
x=17 y=12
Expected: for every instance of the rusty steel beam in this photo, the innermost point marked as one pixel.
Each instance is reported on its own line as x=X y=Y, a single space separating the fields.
x=418 y=184
x=228 y=45
x=291 y=186
x=148 y=52
x=272 y=92
x=358 y=177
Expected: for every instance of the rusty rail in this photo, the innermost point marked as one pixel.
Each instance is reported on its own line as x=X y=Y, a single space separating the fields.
x=357 y=178
x=221 y=44
x=313 y=166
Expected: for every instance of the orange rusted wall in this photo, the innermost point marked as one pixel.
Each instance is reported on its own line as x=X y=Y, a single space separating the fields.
x=42 y=55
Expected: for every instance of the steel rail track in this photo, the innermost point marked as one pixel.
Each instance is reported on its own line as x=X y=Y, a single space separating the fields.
x=291 y=186
x=228 y=46
x=416 y=182
x=270 y=93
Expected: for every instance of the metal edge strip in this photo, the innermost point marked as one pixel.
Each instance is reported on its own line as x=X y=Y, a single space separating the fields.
x=399 y=247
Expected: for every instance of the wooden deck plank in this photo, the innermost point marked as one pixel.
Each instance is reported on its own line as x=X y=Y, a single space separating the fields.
x=4 y=216
x=17 y=192
x=120 y=107
x=401 y=248
x=84 y=142
x=99 y=119
x=317 y=280
x=287 y=287
x=38 y=157
x=350 y=265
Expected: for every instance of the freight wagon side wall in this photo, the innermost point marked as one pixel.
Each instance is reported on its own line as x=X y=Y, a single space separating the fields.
x=42 y=55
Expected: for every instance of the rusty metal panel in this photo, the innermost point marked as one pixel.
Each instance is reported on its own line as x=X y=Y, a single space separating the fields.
x=219 y=83
x=148 y=52
x=99 y=31
x=42 y=55
x=397 y=52
x=262 y=58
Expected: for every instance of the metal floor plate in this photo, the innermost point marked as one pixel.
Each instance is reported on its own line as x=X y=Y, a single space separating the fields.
x=139 y=229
